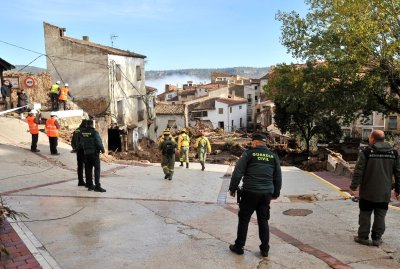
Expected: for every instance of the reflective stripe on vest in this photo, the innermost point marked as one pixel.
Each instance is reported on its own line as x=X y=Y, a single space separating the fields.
x=63 y=94
x=54 y=88
x=33 y=127
x=51 y=128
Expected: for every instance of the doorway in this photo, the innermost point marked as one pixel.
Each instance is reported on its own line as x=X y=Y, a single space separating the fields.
x=114 y=140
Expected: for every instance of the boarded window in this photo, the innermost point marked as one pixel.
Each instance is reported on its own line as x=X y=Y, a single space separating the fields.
x=118 y=73
x=120 y=109
x=138 y=73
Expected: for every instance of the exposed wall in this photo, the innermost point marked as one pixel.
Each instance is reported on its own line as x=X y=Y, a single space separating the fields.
x=214 y=117
x=162 y=122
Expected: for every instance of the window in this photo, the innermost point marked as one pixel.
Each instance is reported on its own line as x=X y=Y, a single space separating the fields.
x=249 y=118
x=171 y=124
x=138 y=73
x=220 y=110
x=118 y=72
x=240 y=107
x=249 y=98
x=393 y=122
x=256 y=97
x=241 y=123
x=230 y=109
x=120 y=109
x=141 y=110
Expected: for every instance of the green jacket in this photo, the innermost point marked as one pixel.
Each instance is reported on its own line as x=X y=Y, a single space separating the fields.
x=260 y=170
x=375 y=167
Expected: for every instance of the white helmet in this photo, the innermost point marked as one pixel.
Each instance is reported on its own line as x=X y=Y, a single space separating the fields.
x=53 y=113
x=33 y=111
x=58 y=82
x=66 y=85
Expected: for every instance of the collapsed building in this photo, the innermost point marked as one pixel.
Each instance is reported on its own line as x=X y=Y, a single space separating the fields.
x=107 y=83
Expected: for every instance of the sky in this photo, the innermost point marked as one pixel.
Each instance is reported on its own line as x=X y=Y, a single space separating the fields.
x=172 y=34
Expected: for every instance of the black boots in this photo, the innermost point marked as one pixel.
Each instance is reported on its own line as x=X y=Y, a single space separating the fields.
x=187 y=165
x=202 y=166
x=181 y=164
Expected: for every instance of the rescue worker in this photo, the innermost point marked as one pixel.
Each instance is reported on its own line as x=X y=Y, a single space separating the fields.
x=52 y=127
x=260 y=170
x=92 y=146
x=78 y=149
x=183 y=147
x=167 y=146
x=33 y=121
x=54 y=92
x=202 y=145
x=63 y=96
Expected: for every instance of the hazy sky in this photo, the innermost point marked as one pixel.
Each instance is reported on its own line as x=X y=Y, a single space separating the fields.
x=173 y=34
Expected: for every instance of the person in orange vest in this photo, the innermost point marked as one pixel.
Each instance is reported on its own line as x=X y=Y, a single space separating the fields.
x=33 y=121
x=63 y=96
x=52 y=128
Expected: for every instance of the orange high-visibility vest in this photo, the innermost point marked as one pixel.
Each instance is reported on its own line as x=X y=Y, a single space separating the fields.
x=63 y=94
x=33 y=126
x=51 y=128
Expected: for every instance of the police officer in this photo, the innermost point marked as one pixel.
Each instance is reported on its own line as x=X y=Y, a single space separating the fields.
x=260 y=170
x=78 y=149
x=92 y=146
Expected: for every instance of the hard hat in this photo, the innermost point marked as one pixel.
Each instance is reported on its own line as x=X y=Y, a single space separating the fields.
x=33 y=111
x=166 y=132
x=58 y=82
x=53 y=114
x=183 y=130
x=66 y=84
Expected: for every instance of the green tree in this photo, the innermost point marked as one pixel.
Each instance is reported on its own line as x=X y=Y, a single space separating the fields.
x=302 y=106
x=361 y=42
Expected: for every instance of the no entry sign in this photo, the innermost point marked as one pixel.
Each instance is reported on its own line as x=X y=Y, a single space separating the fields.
x=29 y=82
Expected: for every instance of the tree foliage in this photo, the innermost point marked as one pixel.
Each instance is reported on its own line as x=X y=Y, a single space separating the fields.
x=361 y=42
x=302 y=105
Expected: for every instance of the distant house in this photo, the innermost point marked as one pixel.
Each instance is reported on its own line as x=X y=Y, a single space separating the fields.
x=171 y=116
x=225 y=113
x=107 y=83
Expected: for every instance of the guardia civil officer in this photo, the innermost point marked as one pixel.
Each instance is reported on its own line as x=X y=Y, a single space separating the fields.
x=78 y=149
x=92 y=146
x=260 y=170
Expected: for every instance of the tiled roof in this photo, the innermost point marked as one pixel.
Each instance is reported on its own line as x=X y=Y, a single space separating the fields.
x=4 y=65
x=150 y=89
x=230 y=101
x=169 y=109
x=104 y=49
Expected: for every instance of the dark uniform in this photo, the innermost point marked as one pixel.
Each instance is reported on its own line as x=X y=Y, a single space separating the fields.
x=375 y=168
x=92 y=146
x=167 y=146
x=78 y=149
x=260 y=170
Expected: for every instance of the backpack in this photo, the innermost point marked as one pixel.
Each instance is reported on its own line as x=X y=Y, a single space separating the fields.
x=168 y=148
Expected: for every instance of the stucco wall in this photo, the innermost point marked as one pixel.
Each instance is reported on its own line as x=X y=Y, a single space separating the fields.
x=162 y=122
x=214 y=117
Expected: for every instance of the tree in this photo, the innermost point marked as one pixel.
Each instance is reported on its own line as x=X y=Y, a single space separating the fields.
x=302 y=106
x=361 y=42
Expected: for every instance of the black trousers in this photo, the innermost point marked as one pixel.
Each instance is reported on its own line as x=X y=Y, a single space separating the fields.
x=35 y=138
x=92 y=161
x=250 y=202
x=53 y=144
x=63 y=104
x=54 y=101
x=80 y=160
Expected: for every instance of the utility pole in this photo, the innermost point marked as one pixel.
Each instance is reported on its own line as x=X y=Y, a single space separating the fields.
x=113 y=37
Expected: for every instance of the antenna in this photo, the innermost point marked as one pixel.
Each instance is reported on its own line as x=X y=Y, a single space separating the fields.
x=113 y=37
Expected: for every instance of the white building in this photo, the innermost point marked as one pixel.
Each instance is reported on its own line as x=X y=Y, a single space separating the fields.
x=107 y=83
x=225 y=113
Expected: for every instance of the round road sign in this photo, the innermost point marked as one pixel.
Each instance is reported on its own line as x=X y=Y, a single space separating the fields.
x=29 y=82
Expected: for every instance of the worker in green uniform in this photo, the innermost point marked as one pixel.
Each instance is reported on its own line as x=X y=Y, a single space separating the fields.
x=203 y=146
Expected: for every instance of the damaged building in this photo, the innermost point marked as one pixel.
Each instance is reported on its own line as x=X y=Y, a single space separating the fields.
x=107 y=83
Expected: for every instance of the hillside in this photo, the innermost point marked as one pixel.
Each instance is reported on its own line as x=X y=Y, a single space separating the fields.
x=28 y=69
x=248 y=72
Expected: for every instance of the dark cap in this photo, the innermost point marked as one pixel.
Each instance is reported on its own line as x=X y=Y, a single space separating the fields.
x=258 y=136
x=89 y=123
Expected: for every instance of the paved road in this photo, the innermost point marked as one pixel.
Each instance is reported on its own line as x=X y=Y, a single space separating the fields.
x=144 y=221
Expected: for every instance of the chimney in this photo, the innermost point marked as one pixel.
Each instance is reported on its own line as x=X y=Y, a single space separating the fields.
x=85 y=38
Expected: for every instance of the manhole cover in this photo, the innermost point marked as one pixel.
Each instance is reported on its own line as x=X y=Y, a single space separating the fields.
x=297 y=212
